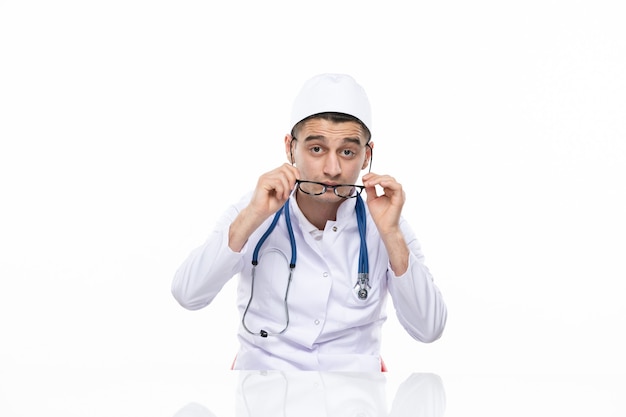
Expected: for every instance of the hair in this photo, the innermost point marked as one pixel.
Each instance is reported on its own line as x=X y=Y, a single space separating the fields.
x=334 y=117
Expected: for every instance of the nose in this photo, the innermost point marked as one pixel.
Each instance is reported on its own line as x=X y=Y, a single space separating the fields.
x=332 y=166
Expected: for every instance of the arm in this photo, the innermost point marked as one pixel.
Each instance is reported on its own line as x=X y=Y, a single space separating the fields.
x=205 y=271
x=210 y=266
x=419 y=305
x=418 y=302
x=385 y=210
x=272 y=191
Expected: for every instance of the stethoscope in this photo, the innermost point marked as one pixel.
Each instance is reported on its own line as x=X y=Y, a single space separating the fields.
x=362 y=284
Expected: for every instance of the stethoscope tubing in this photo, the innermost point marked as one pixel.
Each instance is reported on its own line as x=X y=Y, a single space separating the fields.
x=363 y=265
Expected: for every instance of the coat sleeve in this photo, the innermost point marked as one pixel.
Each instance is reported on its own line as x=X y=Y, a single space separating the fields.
x=419 y=305
x=207 y=268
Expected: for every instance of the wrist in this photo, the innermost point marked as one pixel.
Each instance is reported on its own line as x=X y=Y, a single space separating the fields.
x=390 y=232
x=246 y=222
x=397 y=250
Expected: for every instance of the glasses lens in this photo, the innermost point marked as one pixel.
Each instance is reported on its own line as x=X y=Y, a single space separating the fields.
x=311 y=188
x=345 y=191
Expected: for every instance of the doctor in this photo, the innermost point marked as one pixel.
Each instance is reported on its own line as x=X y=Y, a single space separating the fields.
x=316 y=260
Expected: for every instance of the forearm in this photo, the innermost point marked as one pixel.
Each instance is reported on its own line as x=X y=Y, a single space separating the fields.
x=418 y=302
x=398 y=251
x=419 y=305
x=205 y=271
x=242 y=228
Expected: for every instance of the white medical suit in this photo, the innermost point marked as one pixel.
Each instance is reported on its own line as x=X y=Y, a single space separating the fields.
x=330 y=328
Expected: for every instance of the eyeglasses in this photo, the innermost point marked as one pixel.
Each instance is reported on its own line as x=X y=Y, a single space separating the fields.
x=340 y=190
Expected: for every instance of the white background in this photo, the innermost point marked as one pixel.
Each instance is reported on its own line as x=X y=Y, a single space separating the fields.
x=127 y=127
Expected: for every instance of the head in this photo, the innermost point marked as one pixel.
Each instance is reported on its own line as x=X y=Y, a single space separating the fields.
x=330 y=139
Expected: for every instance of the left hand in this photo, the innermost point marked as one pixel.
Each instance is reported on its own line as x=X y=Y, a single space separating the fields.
x=386 y=208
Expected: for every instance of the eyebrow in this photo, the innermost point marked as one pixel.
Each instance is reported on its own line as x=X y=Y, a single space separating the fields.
x=322 y=138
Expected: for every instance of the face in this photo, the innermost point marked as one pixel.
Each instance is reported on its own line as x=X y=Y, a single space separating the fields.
x=328 y=152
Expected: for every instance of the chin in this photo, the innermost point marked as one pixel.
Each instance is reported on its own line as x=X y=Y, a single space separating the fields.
x=323 y=199
x=329 y=199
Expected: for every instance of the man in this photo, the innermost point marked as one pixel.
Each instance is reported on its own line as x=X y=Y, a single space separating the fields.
x=315 y=262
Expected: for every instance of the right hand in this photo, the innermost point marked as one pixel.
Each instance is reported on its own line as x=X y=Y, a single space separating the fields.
x=273 y=190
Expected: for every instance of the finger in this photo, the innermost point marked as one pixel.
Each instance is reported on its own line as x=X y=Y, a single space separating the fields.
x=371 y=194
x=287 y=177
x=280 y=187
x=293 y=170
x=287 y=188
x=289 y=172
x=290 y=176
x=372 y=179
x=368 y=177
x=384 y=181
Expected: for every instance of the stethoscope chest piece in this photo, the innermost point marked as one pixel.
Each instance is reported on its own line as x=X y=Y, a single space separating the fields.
x=363 y=283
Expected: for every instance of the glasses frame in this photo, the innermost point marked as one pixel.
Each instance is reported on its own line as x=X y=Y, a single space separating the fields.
x=325 y=188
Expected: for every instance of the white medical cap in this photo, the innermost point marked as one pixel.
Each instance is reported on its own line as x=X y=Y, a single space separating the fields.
x=332 y=93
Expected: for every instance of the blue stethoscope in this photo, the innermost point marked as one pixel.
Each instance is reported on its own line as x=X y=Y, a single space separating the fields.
x=362 y=284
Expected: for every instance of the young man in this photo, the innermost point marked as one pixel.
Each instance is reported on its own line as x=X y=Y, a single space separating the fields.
x=315 y=261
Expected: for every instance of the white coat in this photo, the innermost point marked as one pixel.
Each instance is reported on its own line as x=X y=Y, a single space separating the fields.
x=330 y=328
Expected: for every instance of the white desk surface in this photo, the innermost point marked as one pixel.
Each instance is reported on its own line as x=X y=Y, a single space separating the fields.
x=186 y=391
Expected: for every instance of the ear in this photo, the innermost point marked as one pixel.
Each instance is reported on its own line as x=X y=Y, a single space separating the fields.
x=369 y=147
x=288 y=148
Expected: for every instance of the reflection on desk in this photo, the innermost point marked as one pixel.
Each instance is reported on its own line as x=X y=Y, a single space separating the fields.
x=302 y=394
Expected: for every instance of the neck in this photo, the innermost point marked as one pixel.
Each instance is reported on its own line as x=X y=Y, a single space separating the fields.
x=316 y=211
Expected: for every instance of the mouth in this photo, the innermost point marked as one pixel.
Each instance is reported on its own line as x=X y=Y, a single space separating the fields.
x=327 y=183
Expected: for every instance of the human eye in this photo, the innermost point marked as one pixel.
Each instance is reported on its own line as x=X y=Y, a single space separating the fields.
x=316 y=149
x=348 y=153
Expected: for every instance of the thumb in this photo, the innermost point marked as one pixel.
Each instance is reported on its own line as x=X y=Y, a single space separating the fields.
x=371 y=193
